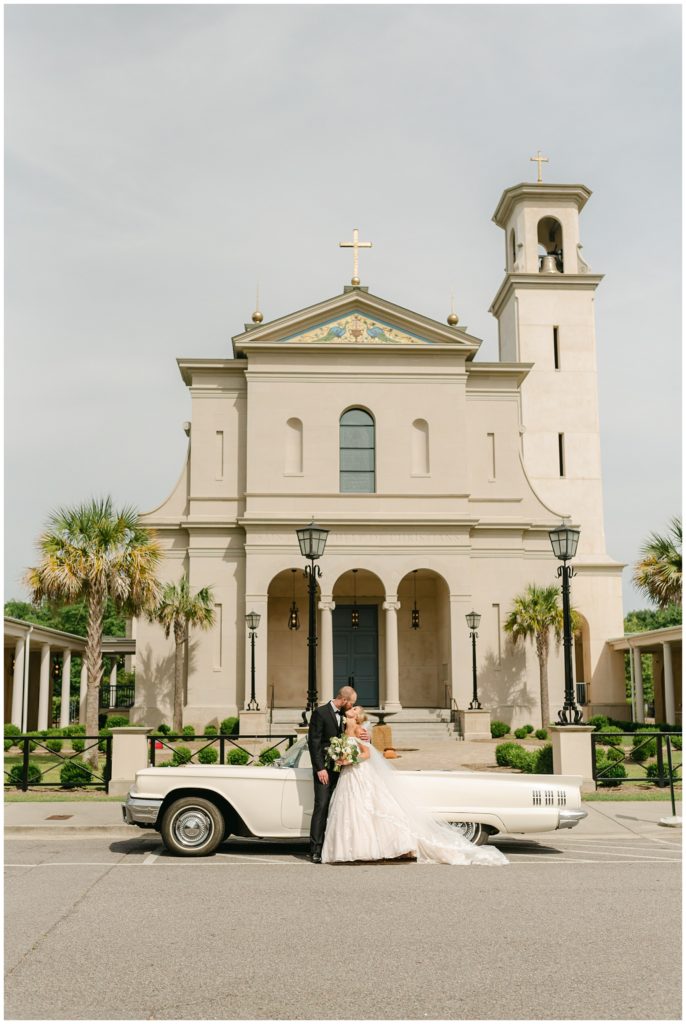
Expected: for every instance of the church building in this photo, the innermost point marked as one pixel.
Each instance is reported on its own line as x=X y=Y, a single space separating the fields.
x=438 y=475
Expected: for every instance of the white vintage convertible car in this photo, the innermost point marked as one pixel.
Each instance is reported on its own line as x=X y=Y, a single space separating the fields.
x=196 y=807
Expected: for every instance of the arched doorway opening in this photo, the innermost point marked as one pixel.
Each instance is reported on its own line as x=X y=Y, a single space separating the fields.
x=287 y=611
x=582 y=660
x=358 y=635
x=424 y=640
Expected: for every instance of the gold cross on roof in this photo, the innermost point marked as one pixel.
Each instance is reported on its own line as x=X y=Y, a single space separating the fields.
x=538 y=159
x=355 y=245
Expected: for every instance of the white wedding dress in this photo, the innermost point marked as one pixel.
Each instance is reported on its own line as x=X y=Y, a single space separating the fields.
x=372 y=818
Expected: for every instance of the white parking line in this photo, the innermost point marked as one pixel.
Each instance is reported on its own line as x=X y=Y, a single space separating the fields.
x=151 y=858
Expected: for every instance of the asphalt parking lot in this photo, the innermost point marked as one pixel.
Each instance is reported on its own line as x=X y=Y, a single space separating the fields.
x=576 y=927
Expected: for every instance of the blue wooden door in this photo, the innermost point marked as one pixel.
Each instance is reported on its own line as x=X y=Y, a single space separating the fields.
x=356 y=652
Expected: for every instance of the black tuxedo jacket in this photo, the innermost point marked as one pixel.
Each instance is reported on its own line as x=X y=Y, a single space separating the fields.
x=323 y=727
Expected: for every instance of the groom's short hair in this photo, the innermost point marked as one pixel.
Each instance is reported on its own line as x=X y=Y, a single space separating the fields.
x=346 y=693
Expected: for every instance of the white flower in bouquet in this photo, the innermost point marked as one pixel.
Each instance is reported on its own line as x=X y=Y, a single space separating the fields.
x=342 y=749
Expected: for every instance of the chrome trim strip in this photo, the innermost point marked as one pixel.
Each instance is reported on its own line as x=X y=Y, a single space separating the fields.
x=568 y=819
x=141 y=810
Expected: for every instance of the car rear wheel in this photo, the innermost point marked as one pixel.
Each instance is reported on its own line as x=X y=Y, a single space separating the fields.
x=192 y=827
x=474 y=831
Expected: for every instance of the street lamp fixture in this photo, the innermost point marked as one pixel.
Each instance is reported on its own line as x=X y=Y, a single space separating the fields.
x=414 y=621
x=293 y=615
x=565 y=540
x=312 y=541
x=252 y=620
x=473 y=620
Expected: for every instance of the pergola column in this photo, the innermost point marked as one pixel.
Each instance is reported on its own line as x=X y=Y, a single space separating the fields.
x=326 y=607
x=113 y=684
x=18 y=681
x=668 y=675
x=66 y=678
x=392 y=701
x=44 y=691
x=638 y=685
x=83 y=689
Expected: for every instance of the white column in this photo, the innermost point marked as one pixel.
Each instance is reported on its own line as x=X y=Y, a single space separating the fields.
x=392 y=701
x=83 y=689
x=26 y=682
x=638 y=685
x=44 y=692
x=668 y=673
x=113 y=684
x=259 y=604
x=326 y=606
x=66 y=674
x=18 y=681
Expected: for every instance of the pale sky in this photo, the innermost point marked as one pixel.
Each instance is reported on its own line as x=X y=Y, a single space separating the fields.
x=162 y=159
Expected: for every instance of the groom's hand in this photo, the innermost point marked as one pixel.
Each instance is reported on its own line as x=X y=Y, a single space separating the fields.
x=364 y=735
x=323 y=777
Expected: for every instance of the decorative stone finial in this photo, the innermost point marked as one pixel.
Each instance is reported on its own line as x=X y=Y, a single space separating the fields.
x=453 y=318
x=257 y=317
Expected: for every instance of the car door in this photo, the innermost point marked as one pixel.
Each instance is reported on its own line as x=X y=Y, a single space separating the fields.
x=297 y=801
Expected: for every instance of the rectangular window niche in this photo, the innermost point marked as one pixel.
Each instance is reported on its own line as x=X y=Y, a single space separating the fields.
x=219 y=454
x=491 y=456
x=561 y=453
x=218 y=631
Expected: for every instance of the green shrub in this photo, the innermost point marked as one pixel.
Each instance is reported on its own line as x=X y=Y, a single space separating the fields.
x=599 y=722
x=542 y=760
x=17 y=770
x=613 y=771
x=78 y=745
x=188 y=732
x=269 y=755
x=165 y=764
x=116 y=722
x=626 y=726
x=74 y=773
x=173 y=736
x=652 y=772
x=503 y=752
x=499 y=729
x=181 y=755
x=8 y=745
x=164 y=728
x=33 y=743
x=675 y=741
x=77 y=730
x=229 y=727
x=208 y=755
x=527 y=729
x=522 y=759
x=642 y=749
x=610 y=735
x=521 y=733
x=211 y=730
x=102 y=746
x=12 y=730
x=612 y=753
x=237 y=756
x=541 y=734
x=54 y=745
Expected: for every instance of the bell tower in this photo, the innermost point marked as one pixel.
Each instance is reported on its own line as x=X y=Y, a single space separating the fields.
x=545 y=312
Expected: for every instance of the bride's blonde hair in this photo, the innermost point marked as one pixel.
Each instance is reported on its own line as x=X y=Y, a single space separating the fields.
x=360 y=717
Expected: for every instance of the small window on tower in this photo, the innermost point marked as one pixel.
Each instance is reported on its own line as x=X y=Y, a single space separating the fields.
x=561 y=452
x=556 y=347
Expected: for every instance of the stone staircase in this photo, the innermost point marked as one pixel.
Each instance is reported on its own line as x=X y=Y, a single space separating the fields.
x=408 y=726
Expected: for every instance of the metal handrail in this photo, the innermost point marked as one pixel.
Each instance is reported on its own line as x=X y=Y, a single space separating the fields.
x=662 y=779
x=96 y=779
x=221 y=739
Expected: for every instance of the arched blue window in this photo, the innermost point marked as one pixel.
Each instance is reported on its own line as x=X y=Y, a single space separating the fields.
x=357 y=452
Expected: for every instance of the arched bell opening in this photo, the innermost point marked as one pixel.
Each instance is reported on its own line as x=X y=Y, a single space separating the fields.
x=287 y=627
x=359 y=635
x=424 y=651
x=550 y=246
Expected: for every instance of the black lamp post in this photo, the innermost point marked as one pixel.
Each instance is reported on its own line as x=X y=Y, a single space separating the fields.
x=473 y=620
x=565 y=540
x=253 y=620
x=312 y=541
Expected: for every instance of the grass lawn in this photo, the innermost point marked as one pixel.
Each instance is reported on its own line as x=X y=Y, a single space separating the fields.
x=49 y=764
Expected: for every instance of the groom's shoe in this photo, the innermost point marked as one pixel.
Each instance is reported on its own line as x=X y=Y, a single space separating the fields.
x=316 y=856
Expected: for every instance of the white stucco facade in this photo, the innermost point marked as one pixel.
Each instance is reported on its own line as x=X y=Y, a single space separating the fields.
x=466 y=485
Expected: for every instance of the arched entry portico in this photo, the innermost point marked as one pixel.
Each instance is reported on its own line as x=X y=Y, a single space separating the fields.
x=286 y=645
x=424 y=651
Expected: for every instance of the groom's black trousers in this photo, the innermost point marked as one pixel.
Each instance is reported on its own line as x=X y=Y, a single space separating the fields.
x=322 y=799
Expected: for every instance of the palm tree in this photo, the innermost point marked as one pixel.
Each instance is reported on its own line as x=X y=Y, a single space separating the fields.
x=532 y=617
x=176 y=611
x=658 y=573
x=92 y=552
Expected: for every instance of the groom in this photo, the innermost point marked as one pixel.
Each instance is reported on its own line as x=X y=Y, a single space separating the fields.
x=326 y=721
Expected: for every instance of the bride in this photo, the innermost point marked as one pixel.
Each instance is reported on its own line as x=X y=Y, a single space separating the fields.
x=371 y=818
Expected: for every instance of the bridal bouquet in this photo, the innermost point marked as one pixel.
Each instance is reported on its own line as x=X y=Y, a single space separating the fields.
x=341 y=749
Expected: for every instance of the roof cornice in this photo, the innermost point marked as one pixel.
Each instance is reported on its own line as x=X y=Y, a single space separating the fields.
x=528 y=282
x=542 y=193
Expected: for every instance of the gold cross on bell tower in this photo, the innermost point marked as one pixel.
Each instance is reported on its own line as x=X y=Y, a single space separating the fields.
x=355 y=245
x=538 y=159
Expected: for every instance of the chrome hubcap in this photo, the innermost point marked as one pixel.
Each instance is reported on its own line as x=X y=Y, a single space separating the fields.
x=192 y=826
x=468 y=829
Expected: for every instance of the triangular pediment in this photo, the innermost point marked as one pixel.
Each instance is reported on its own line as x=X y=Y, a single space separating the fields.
x=356 y=319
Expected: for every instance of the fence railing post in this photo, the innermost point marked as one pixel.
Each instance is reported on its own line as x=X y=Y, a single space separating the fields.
x=25 y=765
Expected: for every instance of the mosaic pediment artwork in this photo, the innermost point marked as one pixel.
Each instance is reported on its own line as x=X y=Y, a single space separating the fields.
x=359 y=330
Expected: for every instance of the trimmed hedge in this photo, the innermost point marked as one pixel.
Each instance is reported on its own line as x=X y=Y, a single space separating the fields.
x=542 y=760
x=181 y=755
x=237 y=756
x=78 y=745
x=504 y=751
x=229 y=727
x=17 y=770
x=499 y=729
x=54 y=745
x=541 y=734
x=164 y=728
x=653 y=773
x=528 y=728
x=269 y=755
x=208 y=755
x=643 y=748
x=608 y=735
x=521 y=733
x=615 y=771
x=211 y=730
x=74 y=773
x=116 y=722
x=599 y=722
x=188 y=732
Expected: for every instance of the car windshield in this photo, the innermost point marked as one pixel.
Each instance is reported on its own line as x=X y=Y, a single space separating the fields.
x=292 y=756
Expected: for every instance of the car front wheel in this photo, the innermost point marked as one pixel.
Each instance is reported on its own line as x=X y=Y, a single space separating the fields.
x=192 y=827
x=474 y=831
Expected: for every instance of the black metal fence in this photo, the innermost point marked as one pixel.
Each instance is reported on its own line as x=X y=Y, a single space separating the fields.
x=275 y=747
x=122 y=695
x=27 y=773
x=611 y=756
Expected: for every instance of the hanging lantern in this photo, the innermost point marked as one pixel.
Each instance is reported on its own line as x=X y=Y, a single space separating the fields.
x=415 y=609
x=355 y=615
x=293 y=615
